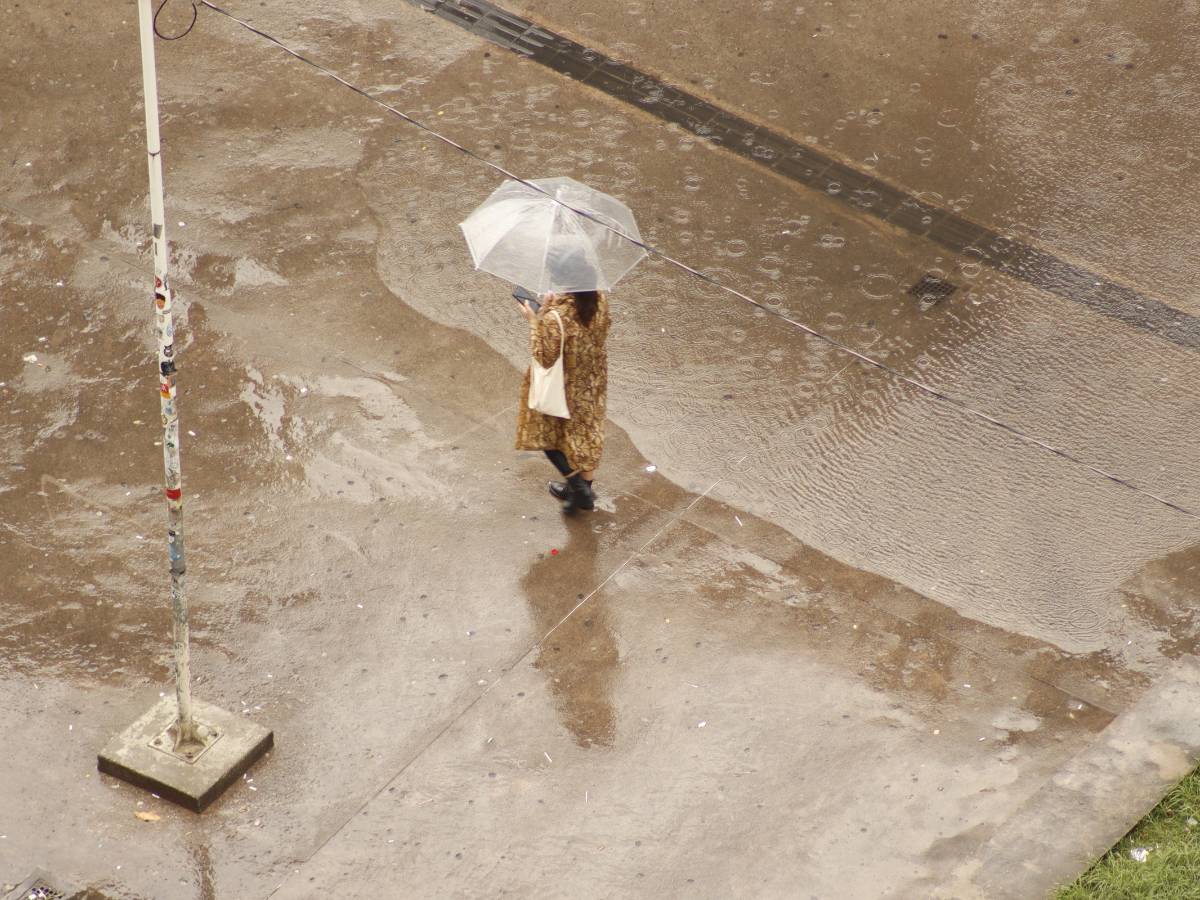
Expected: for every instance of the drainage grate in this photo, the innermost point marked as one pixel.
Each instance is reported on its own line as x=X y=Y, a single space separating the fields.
x=808 y=166
x=494 y=24
x=931 y=290
x=38 y=887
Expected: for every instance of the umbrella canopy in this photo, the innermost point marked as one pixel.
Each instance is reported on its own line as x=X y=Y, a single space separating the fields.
x=535 y=241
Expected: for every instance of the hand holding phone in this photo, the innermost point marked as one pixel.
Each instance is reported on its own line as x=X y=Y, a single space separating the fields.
x=527 y=298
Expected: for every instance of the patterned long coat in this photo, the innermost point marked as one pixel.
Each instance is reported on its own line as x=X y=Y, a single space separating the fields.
x=580 y=437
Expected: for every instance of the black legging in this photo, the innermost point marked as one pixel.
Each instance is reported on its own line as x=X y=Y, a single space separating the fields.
x=560 y=462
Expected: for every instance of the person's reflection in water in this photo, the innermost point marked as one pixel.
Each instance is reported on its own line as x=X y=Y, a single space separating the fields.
x=580 y=657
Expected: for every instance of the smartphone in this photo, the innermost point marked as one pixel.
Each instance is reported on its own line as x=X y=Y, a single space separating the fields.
x=528 y=298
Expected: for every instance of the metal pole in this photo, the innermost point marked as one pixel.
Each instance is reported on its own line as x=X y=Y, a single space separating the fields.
x=185 y=726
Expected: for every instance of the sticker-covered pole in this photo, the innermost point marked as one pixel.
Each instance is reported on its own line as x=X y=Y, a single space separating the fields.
x=185 y=728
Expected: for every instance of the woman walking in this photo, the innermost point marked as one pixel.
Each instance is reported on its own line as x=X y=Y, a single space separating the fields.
x=578 y=324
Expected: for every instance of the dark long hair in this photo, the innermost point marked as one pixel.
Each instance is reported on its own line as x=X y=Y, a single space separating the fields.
x=586 y=303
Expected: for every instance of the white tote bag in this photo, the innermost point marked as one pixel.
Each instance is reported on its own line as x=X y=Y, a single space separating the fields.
x=547 y=386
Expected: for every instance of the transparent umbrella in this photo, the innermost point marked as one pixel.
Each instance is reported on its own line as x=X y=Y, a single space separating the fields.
x=535 y=241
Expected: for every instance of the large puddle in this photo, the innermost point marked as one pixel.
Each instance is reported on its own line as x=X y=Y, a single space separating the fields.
x=849 y=460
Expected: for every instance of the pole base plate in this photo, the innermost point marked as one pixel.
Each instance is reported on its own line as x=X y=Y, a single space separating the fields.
x=144 y=753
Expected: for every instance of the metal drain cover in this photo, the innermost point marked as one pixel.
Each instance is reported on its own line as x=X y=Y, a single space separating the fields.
x=931 y=289
x=39 y=886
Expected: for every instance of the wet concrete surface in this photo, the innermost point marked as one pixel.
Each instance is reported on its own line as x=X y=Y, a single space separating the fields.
x=816 y=436
x=896 y=626
x=806 y=164
x=1067 y=124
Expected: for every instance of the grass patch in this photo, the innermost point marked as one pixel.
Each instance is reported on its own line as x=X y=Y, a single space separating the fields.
x=1171 y=834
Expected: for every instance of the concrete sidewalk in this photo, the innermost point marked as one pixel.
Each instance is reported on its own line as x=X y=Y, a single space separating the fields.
x=821 y=639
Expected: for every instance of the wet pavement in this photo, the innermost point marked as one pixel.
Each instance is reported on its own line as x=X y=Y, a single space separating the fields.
x=860 y=188
x=825 y=637
x=1065 y=125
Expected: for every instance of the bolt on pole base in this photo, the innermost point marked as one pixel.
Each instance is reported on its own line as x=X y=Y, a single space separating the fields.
x=194 y=774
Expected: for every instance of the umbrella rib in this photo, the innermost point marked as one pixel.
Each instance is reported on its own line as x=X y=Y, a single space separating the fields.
x=914 y=383
x=547 y=281
x=589 y=249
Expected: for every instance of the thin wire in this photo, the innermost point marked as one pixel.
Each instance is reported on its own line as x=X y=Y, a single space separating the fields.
x=653 y=251
x=184 y=33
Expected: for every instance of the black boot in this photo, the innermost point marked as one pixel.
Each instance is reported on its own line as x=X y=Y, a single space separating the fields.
x=579 y=495
x=559 y=490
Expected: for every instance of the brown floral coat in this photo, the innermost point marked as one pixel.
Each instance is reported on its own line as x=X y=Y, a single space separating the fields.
x=580 y=437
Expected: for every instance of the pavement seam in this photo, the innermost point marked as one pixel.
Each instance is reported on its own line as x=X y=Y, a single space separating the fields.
x=504 y=672
x=486 y=423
